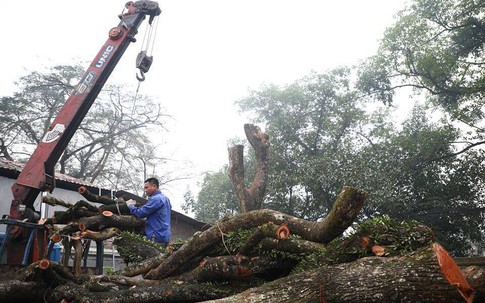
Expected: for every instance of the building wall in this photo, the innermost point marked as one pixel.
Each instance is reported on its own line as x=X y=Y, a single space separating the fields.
x=180 y=228
x=47 y=210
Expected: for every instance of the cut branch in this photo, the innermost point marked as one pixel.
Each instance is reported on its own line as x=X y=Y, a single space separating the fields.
x=95 y=198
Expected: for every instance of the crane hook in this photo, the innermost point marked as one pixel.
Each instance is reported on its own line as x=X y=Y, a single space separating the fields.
x=142 y=77
x=143 y=63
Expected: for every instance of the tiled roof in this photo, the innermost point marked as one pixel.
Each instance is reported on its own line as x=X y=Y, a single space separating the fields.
x=15 y=168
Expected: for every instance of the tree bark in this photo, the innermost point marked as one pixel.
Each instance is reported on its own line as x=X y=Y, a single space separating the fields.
x=135 y=249
x=420 y=277
x=95 y=198
x=142 y=267
x=102 y=235
x=19 y=291
x=162 y=292
x=343 y=213
x=296 y=246
x=263 y=231
x=251 y=198
x=100 y=222
x=475 y=275
x=226 y=268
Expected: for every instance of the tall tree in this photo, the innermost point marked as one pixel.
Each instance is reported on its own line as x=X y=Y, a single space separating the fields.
x=436 y=46
x=412 y=173
x=324 y=137
x=215 y=200
x=113 y=141
x=311 y=123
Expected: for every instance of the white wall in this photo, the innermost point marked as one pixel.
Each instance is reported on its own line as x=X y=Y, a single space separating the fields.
x=6 y=197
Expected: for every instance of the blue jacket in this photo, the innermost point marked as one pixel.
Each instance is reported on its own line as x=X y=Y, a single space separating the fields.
x=157 y=211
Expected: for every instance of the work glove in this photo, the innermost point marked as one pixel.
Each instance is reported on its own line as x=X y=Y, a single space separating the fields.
x=130 y=202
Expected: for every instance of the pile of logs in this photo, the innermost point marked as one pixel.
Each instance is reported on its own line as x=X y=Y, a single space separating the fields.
x=257 y=256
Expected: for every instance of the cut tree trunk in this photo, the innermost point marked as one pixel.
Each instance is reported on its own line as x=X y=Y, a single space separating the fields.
x=251 y=198
x=142 y=267
x=74 y=211
x=429 y=275
x=19 y=291
x=263 y=231
x=343 y=213
x=475 y=275
x=95 y=198
x=226 y=268
x=100 y=222
x=101 y=235
x=154 y=293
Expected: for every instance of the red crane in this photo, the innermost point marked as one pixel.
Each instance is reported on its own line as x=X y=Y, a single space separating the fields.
x=38 y=174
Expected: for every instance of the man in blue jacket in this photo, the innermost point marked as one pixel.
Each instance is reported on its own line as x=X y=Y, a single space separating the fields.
x=156 y=210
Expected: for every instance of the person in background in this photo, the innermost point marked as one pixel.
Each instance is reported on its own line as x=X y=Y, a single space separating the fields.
x=156 y=210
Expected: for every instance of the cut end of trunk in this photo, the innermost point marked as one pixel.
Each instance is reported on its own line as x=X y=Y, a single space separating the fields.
x=82 y=190
x=453 y=273
x=378 y=250
x=56 y=238
x=107 y=213
x=364 y=242
x=43 y=264
x=283 y=232
x=82 y=226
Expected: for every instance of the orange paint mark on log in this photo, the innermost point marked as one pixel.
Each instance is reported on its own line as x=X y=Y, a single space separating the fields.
x=283 y=232
x=453 y=273
x=43 y=264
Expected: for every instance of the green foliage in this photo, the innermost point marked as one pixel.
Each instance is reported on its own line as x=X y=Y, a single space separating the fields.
x=215 y=200
x=437 y=46
x=108 y=270
x=324 y=134
x=130 y=254
x=399 y=238
x=310 y=122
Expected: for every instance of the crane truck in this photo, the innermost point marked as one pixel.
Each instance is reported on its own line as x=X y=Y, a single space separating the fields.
x=38 y=173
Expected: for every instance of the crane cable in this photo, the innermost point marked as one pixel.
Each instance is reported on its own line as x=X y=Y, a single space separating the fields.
x=148 y=32
x=144 y=59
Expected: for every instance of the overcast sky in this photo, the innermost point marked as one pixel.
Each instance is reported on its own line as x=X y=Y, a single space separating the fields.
x=207 y=55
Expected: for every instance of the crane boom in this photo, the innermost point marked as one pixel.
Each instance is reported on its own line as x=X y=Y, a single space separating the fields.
x=38 y=173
